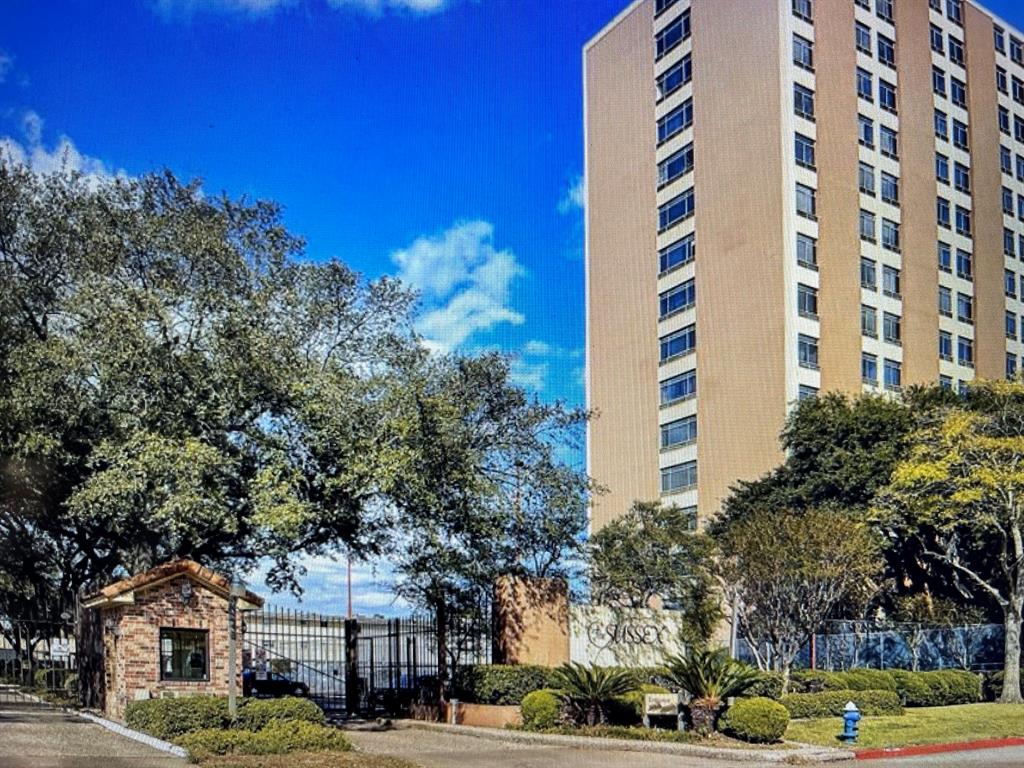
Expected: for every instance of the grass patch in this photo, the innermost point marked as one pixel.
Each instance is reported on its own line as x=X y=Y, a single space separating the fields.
x=655 y=734
x=308 y=760
x=925 y=725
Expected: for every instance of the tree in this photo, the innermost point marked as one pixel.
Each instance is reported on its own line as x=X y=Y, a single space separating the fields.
x=651 y=554
x=479 y=487
x=787 y=572
x=959 y=493
x=176 y=381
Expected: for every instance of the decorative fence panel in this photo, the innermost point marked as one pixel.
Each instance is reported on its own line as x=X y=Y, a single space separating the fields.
x=38 y=661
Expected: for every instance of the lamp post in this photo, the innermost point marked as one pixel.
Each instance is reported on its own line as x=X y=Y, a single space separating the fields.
x=237 y=591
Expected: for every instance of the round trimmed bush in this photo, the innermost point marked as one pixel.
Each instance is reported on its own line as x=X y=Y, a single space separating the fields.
x=541 y=710
x=758 y=720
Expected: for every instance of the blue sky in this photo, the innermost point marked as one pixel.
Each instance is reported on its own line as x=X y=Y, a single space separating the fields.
x=436 y=139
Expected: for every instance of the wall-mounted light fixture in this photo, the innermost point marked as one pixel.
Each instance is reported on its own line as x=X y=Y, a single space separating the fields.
x=186 y=591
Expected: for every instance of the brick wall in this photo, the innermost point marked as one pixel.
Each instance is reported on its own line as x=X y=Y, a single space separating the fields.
x=132 y=646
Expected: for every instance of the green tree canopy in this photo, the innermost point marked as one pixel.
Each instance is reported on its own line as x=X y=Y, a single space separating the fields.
x=959 y=494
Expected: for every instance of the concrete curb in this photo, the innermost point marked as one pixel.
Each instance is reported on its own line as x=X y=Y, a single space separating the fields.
x=919 y=750
x=149 y=741
x=803 y=753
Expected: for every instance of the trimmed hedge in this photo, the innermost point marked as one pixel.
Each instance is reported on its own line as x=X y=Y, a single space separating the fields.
x=256 y=714
x=832 y=703
x=279 y=737
x=769 y=686
x=758 y=720
x=628 y=709
x=860 y=680
x=169 y=719
x=939 y=688
x=505 y=684
x=541 y=710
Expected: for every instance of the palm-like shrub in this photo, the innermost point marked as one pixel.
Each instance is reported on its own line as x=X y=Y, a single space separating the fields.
x=710 y=677
x=588 y=688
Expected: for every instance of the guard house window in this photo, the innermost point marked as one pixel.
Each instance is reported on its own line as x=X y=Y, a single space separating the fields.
x=888 y=143
x=184 y=654
x=886 y=51
x=675 y=255
x=672 y=35
x=804 y=151
x=803 y=101
x=862 y=36
x=679 y=477
x=865 y=87
x=675 y=121
x=803 y=9
x=803 y=52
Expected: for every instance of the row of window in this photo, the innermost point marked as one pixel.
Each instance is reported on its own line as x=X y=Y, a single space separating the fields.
x=675 y=210
x=1008 y=206
x=678 y=343
x=964 y=349
x=957 y=92
x=675 y=77
x=888 y=188
x=954 y=46
x=960 y=176
x=1012 y=325
x=681 y=387
x=1004 y=83
x=891 y=325
x=679 y=477
x=676 y=299
x=963 y=261
x=964 y=305
x=883 y=9
x=1004 y=124
x=680 y=252
x=961 y=216
x=888 y=143
x=890 y=231
x=869 y=277
x=1008 y=244
x=676 y=121
x=1007 y=164
x=892 y=371
x=885 y=46
x=679 y=432
x=954 y=130
x=954 y=9
x=1016 y=46
x=886 y=90
x=672 y=35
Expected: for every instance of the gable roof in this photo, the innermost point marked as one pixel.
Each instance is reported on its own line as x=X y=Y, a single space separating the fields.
x=123 y=591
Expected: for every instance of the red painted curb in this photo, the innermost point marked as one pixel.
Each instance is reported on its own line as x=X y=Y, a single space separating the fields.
x=935 y=749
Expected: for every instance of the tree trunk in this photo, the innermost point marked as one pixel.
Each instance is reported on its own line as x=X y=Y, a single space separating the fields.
x=1011 y=654
x=787 y=673
x=704 y=714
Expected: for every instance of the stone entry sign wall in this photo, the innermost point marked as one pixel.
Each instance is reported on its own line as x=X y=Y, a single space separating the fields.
x=627 y=637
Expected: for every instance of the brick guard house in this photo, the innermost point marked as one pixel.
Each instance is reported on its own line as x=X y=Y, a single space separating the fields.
x=165 y=633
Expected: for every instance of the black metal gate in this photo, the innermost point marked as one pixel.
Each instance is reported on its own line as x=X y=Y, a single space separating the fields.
x=38 y=662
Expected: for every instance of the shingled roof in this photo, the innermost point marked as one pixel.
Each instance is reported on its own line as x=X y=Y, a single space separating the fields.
x=124 y=591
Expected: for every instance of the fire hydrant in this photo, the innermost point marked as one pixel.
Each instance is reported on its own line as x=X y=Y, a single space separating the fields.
x=851 y=717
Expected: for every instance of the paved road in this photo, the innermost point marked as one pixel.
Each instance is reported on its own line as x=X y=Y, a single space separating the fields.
x=433 y=749
x=42 y=737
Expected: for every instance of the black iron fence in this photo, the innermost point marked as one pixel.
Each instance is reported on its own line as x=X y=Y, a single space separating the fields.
x=38 y=661
x=362 y=664
x=896 y=645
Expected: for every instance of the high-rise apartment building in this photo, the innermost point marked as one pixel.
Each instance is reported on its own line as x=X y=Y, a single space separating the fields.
x=787 y=197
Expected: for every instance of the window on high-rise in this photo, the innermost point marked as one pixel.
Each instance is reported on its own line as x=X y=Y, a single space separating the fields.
x=803 y=52
x=679 y=387
x=866 y=179
x=955 y=11
x=963 y=221
x=886 y=51
x=806 y=251
x=890 y=235
x=676 y=299
x=1011 y=325
x=960 y=136
x=1011 y=365
x=945 y=346
x=806 y=204
x=942 y=212
x=862 y=37
x=868 y=274
x=1000 y=38
x=803 y=101
x=865 y=85
x=675 y=165
x=958 y=92
x=869 y=369
x=675 y=77
x=884 y=9
x=804 y=147
x=941 y=168
x=887 y=142
x=941 y=125
x=679 y=432
x=891 y=328
x=893 y=374
x=938 y=81
x=680 y=252
x=679 y=477
x=807 y=351
x=1002 y=83
x=866 y=134
x=937 y=39
x=807 y=300
x=890 y=188
x=804 y=9
x=945 y=255
x=965 y=308
x=965 y=351
x=963 y=263
x=677 y=343
x=956 y=51
x=675 y=121
x=867 y=226
x=887 y=96
x=868 y=321
x=890 y=281
x=675 y=210
x=945 y=301
x=962 y=178
x=672 y=35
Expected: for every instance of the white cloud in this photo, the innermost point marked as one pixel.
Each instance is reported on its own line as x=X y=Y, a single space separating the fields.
x=186 y=8
x=529 y=374
x=6 y=65
x=463 y=280
x=62 y=156
x=574 y=198
x=378 y=6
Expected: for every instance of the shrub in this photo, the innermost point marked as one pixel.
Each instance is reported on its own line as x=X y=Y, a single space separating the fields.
x=71 y=684
x=170 y=718
x=541 y=710
x=628 y=709
x=912 y=688
x=279 y=737
x=255 y=714
x=757 y=720
x=768 y=685
x=861 y=680
x=499 y=683
x=939 y=688
x=50 y=679
x=832 y=703
x=589 y=689
x=809 y=681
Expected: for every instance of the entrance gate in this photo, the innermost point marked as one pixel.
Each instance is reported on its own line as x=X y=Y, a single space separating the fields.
x=38 y=662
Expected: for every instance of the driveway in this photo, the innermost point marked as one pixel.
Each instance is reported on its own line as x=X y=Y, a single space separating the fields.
x=434 y=749
x=37 y=736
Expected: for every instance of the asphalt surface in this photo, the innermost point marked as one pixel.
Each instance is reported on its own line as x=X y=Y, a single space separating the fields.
x=38 y=736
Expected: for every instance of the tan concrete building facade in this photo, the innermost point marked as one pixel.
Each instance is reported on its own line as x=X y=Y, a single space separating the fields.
x=787 y=197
